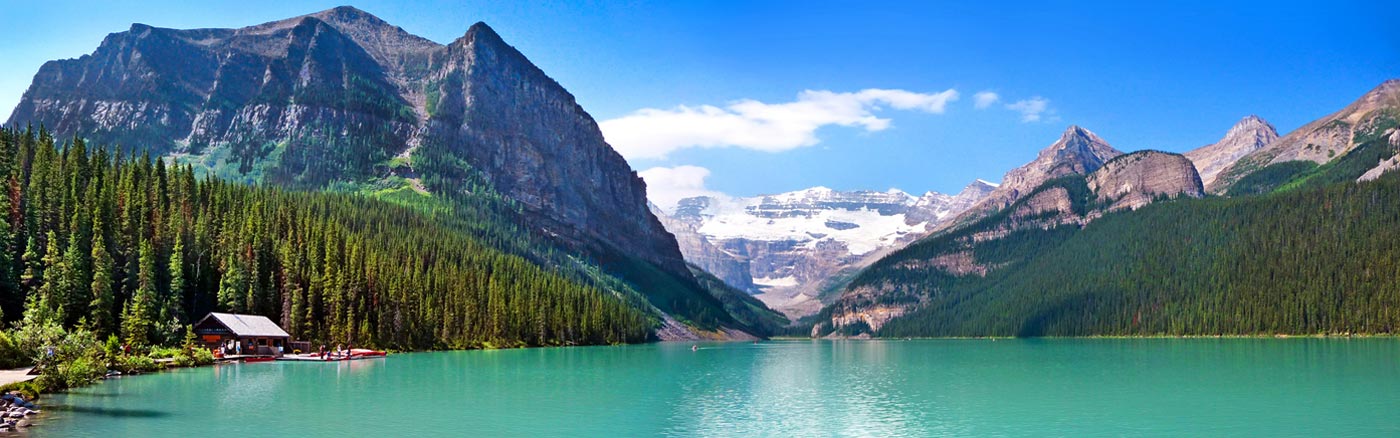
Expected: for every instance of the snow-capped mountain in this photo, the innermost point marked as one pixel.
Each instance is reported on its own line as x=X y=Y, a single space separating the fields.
x=787 y=247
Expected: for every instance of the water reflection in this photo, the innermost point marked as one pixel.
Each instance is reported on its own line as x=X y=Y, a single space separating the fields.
x=790 y=388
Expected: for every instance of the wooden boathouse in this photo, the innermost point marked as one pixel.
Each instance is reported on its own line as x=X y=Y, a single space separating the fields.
x=252 y=334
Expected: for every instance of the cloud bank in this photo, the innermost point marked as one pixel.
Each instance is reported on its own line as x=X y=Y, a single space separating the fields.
x=769 y=127
x=668 y=185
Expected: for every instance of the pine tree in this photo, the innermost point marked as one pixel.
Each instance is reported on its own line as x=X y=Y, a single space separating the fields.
x=175 y=304
x=138 y=320
x=233 y=285
x=103 y=299
x=49 y=290
x=33 y=275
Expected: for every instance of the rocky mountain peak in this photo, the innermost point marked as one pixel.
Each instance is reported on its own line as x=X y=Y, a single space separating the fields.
x=1251 y=127
x=1078 y=151
x=978 y=189
x=1081 y=145
x=1250 y=134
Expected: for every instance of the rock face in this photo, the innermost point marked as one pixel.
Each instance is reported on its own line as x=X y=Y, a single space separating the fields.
x=791 y=245
x=341 y=95
x=1386 y=165
x=698 y=250
x=1248 y=135
x=1077 y=152
x=1134 y=180
x=1324 y=139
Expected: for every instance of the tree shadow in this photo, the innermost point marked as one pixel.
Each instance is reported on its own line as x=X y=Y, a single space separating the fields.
x=112 y=412
x=88 y=394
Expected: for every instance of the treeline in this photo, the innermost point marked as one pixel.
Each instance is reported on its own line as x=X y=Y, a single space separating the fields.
x=130 y=246
x=1306 y=261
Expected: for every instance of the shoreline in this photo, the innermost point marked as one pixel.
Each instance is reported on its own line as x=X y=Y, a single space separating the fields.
x=970 y=338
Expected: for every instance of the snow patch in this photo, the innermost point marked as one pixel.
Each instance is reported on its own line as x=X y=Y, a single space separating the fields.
x=787 y=281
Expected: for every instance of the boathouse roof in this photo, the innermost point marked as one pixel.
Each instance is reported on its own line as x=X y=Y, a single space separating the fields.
x=246 y=325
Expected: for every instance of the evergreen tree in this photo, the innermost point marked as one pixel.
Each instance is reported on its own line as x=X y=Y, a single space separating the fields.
x=49 y=290
x=139 y=318
x=103 y=299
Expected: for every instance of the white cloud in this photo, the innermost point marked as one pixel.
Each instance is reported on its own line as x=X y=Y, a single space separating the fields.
x=1032 y=110
x=668 y=185
x=984 y=99
x=770 y=127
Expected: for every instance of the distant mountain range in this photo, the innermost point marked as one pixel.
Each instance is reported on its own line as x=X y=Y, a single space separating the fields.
x=790 y=247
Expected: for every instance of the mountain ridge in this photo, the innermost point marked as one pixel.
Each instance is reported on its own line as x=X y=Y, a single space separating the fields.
x=341 y=98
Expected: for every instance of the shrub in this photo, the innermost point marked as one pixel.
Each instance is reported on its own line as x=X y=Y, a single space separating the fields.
x=69 y=374
x=164 y=352
x=29 y=390
x=11 y=355
x=132 y=363
x=202 y=356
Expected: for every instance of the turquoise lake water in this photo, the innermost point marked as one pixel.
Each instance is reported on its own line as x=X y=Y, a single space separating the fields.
x=1050 y=387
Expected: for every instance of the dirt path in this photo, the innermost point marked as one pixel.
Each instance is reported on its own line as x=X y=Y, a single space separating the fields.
x=16 y=375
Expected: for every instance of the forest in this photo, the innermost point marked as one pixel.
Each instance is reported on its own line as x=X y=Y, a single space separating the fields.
x=135 y=247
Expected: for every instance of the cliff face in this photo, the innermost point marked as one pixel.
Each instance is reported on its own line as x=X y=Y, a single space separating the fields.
x=1134 y=180
x=732 y=269
x=1248 y=135
x=528 y=137
x=341 y=95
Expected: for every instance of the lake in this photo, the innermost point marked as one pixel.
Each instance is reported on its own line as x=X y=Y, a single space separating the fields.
x=1040 y=387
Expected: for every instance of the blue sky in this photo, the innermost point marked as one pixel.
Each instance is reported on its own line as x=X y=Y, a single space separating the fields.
x=1169 y=75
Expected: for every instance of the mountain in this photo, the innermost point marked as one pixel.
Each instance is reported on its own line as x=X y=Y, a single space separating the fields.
x=729 y=268
x=343 y=100
x=896 y=284
x=1296 y=248
x=1324 y=140
x=1078 y=151
x=791 y=247
x=1248 y=135
x=1249 y=265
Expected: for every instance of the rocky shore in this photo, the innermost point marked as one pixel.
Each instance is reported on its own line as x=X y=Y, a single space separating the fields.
x=17 y=411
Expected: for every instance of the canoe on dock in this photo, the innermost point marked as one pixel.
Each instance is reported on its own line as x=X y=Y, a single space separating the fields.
x=356 y=354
